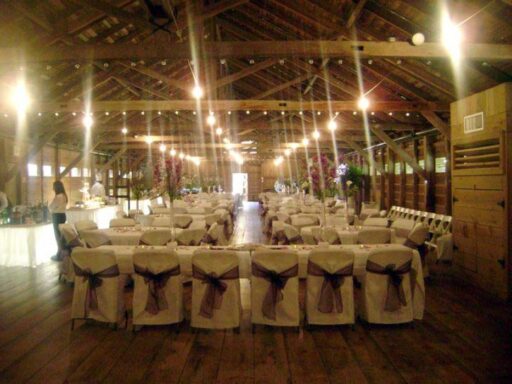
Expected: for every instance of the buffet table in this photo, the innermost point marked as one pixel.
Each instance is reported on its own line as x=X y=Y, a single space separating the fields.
x=26 y=245
x=101 y=216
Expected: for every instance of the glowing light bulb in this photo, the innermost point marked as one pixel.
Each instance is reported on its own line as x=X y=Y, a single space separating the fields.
x=363 y=103
x=287 y=152
x=172 y=152
x=294 y=146
x=87 y=121
x=332 y=125
x=162 y=148
x=197 y=92
x=148 y=139
x=316 y=135
x=124 y=130
x=181 y=155
x=218 y=131
x=451 y=36
x=20 y=98
x=211 y=120
x=305 y=141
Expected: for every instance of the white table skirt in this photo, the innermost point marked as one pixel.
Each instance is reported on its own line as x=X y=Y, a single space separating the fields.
x=101 y=216
x=124 y=256
x=26 y=245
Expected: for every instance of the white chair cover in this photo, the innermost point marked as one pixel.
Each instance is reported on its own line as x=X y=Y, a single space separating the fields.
x=418 y=234
x=85 y=225
x=215 y=235
x=330 y=235
x=71 y=240
x=122 y=223
x=330 y=288
x=158 y=288
x=275 y=303
x=336 y=221
x=215 y=290
x=376 y=222
x=95 y=238
x=163 y=221
x=191 y=236
x=402 y=228
x=160 y=211
x=211 y=218
x=374 y=236
x=386 y=296
x=98 y=289
x=156 y=237
x=182 y=221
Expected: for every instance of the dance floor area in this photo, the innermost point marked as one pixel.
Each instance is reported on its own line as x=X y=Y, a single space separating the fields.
x=465 y=336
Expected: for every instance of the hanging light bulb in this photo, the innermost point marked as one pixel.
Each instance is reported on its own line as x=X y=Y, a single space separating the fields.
x=87 y=121
x=162 y=147
x=332 y=125
x=363 y=103
x=211 y=120
x=305 y=141
x=316 y=134
x=124 y=130
x=218 y=131
x=197 y=92
x=172 y=152
x=287 y=152
x=181 y=155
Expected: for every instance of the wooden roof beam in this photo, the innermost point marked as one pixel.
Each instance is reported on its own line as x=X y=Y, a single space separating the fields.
x=158 y=48
x=234 y=105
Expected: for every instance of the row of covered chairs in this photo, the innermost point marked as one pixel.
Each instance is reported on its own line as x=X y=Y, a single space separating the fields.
x=386 y=293
x=437 y=223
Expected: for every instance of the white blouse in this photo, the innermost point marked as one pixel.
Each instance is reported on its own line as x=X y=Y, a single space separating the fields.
x=59 y=203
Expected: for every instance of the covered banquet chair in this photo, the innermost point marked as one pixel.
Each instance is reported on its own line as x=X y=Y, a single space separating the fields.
x=70 y=240
x=386 y=294
x=158 y=288
x=215 y=290
x=98 y=288
x=191 y=236
x=156 y=237
x=123 y=222
x=330 y=288
x=275 y=288
x=374 y=236
x=85 y=225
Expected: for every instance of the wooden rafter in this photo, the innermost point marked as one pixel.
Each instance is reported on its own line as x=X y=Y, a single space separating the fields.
x=159 y=48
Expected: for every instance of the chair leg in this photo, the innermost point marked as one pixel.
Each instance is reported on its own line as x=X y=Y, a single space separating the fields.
x=253 y=328
x=237 y=330
x=72 y=324
x=125 y=319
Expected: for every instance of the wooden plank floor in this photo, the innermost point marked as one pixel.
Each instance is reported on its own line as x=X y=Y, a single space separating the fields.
x=465 y=337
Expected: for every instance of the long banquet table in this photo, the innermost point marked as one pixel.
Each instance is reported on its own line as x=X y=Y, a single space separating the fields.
x=124 y=255
x=129 y=236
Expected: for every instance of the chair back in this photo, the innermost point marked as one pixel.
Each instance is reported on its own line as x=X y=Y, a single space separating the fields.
x=376 y=222
x=95 y=238
x=386 y=286
x=156 y=237
x=158 y=288
x=418 y=234
x=125 y=222
x=275 y=288
x=190 y=236
x=374 y=236
x=330 y=292
x=182 y=220
x=85 y=225
x=98 y=288
x=215 y=290
x=402 y=227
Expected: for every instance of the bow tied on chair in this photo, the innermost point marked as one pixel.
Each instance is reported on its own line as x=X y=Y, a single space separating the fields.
x=330 y=299
x=395 y=297
x=274 y=293
x=156 y=282
x=95 y=280
x=212 y=298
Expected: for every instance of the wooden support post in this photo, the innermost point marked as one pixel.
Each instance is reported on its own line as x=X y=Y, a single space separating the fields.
x=415 y=178
x=382 y=183
x=403 y=184
x=430 y=190
x=448 y=177
x=390 y=176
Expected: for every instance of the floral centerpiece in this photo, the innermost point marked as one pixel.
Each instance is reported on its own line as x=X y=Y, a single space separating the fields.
x=167 y=176
x=322 y=174
x=351 y=179
x=138 y=188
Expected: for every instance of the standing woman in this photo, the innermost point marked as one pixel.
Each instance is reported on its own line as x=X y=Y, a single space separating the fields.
x=58 y=209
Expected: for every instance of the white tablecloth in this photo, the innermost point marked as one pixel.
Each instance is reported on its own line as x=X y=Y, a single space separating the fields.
x=346 y=236
x=101 y=216
x=124 y=256
x=128 y=235
x=26 y=245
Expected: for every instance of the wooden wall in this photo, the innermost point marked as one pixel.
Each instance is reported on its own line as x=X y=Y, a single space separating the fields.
x=400 y=185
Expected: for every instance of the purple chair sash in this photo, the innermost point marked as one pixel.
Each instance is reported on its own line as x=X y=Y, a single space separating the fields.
x=330 y=299
x=277 y=282
x=395 y=297
x=156 y=283
x=95 y=280
x=208 y=239
x=212 y=298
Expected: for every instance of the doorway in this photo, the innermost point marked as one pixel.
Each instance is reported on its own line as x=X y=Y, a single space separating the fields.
x=239 y=181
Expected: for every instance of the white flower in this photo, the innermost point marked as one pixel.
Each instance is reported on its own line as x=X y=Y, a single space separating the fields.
x=349 y=183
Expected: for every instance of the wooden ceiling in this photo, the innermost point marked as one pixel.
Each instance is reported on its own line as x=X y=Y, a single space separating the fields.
x=272 y=70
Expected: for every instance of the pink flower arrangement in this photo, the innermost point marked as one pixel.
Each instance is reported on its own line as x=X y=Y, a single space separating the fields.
x=167 y=176
x=323 y=174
